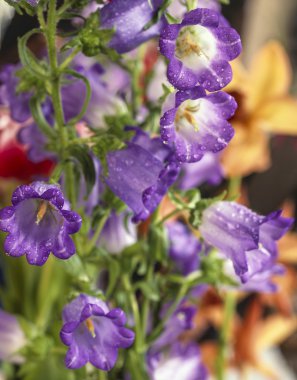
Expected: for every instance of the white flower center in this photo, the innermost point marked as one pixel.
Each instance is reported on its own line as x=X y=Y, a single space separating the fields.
x=186 y=116
x=195 y=46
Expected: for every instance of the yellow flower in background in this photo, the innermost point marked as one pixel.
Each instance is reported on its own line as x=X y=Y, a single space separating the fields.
x=265 y=108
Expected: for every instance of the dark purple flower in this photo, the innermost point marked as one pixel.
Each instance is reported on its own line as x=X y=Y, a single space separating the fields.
x=141 y=174
x=180 y=321
x=199 y=50
x=94 y=333
x=129 y=18
x=207 y=170
x=12 y=338
x=184 y=247
x=245 y=237
x=195 y=123
x=37 y=224
x=180 y=362
x=118 y=233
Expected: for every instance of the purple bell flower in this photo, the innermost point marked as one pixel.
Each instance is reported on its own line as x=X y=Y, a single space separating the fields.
x=12 y=338
x=180 y=362
x=129 y=18
x=38 y=224
x=184 y=247
x=116 y=234
x=93 y=333
x=248 y=239
x=199 y=50
x=195 y=123
x=141 y=174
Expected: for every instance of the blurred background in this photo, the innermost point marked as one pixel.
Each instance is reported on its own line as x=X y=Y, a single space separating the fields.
x=265 y=154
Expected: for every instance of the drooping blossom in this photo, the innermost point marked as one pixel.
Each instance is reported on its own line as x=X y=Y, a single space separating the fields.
x=184 y=247
x=195 y=123
x=208 y=170
x=38 y=223
x=117 y=233
x=94 y=333
x=141 y=174
x=180 y=362
x=129 y=19
x=245 y=237
x=199 y=50
x=12 y=338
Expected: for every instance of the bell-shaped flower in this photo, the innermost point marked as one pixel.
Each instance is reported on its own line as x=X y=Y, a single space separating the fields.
x=38 y=223
x=199 y=50
x=195 y=123
x=245 y=237
x=94 y=333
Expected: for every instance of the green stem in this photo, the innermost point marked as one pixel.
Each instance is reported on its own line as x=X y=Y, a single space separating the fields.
x=97 y=233
x=102 y=375
x=224 y=340
x=166 y=217
x=234 y=187
x=136 y=314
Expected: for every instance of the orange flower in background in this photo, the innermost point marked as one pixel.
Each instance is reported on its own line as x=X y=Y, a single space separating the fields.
x=265 y=108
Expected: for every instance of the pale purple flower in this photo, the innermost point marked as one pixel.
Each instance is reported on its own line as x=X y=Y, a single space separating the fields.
x=207 y=170
x=195 y=123
x=118 y=233
x=184 y=247
x=199 y=50
x=38 y=223
x=12 y=338
x=248 y=239
x=180 y=362
x=179 y=322
x=94 y=333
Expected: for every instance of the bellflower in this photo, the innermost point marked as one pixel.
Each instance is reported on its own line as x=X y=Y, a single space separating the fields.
x=207 y=170
x=94 y=333
x=141 y=174
x=245 y=237
x=38 y=224
x=12 y=338
x=195 y=123
x=116 y=235
x=128 y=19
x=181 y=362
x=199 y=50
x=184 y=247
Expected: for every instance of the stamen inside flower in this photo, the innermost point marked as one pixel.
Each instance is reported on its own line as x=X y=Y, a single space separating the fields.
x=41 y=211
x=195 y=46
x=90 y=326
x=186 y=115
